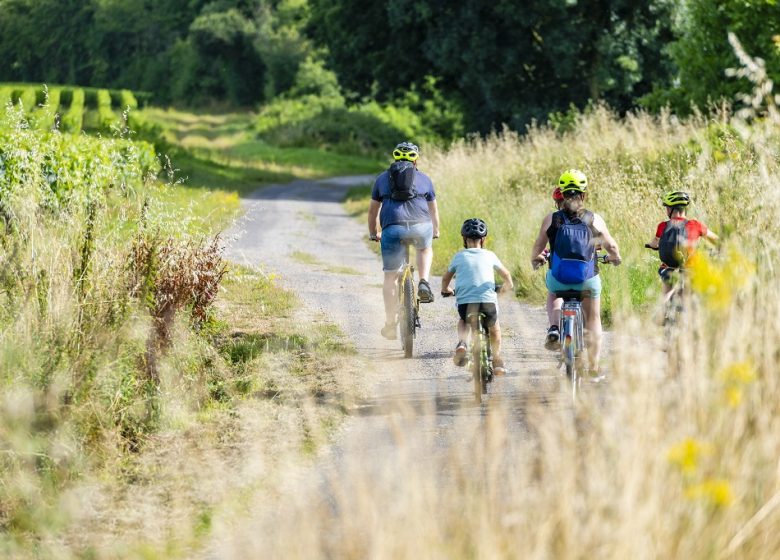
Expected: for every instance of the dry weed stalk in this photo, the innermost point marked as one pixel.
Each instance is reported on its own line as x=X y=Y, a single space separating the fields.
x=169 y=274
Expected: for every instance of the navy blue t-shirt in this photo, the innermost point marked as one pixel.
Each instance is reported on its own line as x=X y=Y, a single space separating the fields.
x=398 y=211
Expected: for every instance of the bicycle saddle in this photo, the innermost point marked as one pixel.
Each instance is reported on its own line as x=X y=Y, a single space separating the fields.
x=571 y=294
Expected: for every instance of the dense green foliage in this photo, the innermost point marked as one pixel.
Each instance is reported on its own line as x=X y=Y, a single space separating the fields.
x=505 y=62
x=461 y=66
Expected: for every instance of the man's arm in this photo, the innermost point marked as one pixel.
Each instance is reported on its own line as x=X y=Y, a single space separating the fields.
x=373 y=222
x=433 y=209
x=537 y=258
x=654 y=243
x=711 y=237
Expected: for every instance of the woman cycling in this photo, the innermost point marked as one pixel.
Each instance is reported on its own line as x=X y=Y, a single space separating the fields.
x=572 y=234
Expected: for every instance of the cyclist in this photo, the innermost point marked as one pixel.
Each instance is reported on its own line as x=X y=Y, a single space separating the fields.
x=573 y=233
x=404 y=201
x=678 y=230
x=475 y=289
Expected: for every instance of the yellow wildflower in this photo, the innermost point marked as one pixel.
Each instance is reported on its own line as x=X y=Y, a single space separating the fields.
x=717 y=283
x=686 y=454
x=735 y=376
x=715 y=491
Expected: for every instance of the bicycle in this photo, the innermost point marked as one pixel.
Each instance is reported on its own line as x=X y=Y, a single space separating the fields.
x=481 y=352
x=408 y=303
x=572 y=337
x=677 y=300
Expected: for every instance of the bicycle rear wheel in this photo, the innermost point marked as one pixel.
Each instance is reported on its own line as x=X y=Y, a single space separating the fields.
x=407 y=318
x=476 y=360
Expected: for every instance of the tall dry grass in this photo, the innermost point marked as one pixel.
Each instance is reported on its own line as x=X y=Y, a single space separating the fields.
x=75 y=395
x=676 y=457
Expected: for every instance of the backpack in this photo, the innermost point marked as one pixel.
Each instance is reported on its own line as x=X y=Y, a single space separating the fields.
x=401 y=175
x=572 y=260
x=673 y=243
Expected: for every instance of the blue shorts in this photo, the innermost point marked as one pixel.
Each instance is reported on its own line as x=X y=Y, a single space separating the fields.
x=592 y=285
x=420 y=234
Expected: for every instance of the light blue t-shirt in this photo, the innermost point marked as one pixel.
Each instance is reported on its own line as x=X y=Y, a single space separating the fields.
x=474 y=279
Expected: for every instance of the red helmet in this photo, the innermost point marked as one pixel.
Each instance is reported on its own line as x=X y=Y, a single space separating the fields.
x=557 y=194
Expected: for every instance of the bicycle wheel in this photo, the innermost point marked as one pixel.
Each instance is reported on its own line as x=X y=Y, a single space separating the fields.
x=486 y=364
x=408 y=318
x=476 y=360
x=568 y=348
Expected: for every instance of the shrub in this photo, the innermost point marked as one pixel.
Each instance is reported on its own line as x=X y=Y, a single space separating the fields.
x=46 y=117
x=170 y=274
x=106 y=118
x=25 y=97
x=74 y=116
x=127 y=100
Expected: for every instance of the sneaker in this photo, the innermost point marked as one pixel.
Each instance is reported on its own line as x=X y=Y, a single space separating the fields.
x=553 y=338
x=596 y=376
x=498 y=367
x=424 y=292
x=460 y=358
x=389 y=332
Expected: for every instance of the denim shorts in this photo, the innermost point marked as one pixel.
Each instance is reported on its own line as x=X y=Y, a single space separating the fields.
x=592 y=285
x=421 y=234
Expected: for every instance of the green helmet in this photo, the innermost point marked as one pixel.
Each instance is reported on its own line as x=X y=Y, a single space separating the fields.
x=676 y=198
x=573 y=180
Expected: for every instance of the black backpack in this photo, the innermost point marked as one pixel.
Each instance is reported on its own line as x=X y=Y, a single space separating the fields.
x=673 y=243
x=401 y=175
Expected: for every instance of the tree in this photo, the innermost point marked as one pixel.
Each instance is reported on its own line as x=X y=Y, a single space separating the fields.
x=505 y=61
x=703 y=53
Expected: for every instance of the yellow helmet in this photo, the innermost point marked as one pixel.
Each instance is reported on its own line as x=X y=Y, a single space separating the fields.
x=407 y=151
x=573 y=180
x=676 y=198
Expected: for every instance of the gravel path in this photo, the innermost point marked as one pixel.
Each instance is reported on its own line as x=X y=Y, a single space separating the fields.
x=301 y=232
x=417 y=407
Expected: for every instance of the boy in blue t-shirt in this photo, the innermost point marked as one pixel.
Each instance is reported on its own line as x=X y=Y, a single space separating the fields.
x=475 y=289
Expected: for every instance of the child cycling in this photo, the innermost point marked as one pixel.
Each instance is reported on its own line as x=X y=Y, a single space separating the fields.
x=676 y=238
x=475 y=289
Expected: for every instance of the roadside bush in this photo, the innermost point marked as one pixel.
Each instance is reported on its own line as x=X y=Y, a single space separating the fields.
x=45 y=117
x=73 y=118
x=127 y=100
x=106 y=118
x=26 y=97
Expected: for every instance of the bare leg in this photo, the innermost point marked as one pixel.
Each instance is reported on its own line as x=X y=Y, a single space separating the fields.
x=463 y=330
x=424 y=260
x=592 y=309
x=495 y=342
x=554 y=305
x=390 y=297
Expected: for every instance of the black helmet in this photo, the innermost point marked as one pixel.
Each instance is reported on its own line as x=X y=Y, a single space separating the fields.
x=473 y=228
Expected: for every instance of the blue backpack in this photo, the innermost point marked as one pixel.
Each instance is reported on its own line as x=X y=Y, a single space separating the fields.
x=572 y=260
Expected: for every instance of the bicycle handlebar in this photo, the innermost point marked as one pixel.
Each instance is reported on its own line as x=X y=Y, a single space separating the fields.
x=648 y=246
x=546 y=257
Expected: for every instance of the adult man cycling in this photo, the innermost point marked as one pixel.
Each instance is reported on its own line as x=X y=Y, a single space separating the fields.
x=578 y=230
x=404 y=201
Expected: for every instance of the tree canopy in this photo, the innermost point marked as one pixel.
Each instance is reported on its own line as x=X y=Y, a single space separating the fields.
x=494 y=63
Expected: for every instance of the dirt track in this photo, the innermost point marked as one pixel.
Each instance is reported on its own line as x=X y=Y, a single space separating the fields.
x=426 y=396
